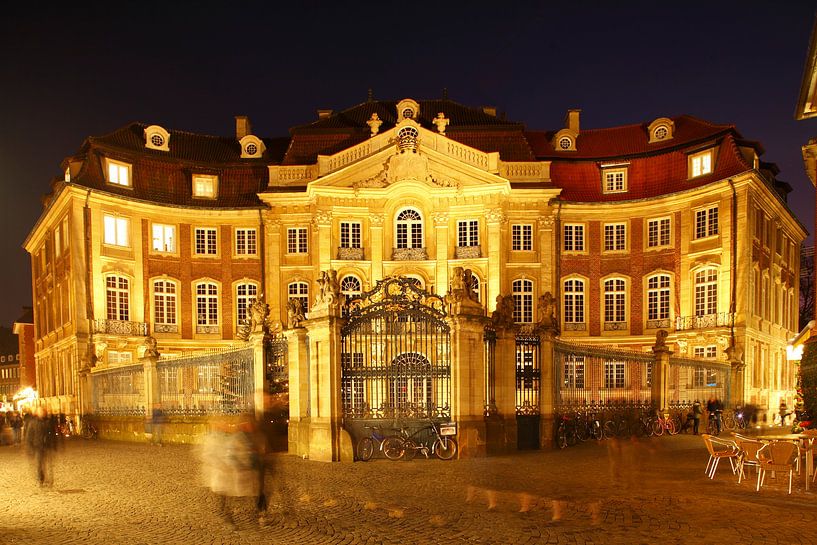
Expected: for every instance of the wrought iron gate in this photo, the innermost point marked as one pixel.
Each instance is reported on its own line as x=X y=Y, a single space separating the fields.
x=528 y=378
x=396 y=354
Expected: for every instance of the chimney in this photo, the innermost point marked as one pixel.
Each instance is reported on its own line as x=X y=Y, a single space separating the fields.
x=323 y=114
x=242 y=126
x=490 y=110
x=572 y=120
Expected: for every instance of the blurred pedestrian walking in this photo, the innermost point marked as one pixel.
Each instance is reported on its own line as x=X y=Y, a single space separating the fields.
x=41 y=440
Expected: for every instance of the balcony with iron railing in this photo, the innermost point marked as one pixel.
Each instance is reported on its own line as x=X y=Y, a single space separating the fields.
x=120 y=327
x=468 y=252
x=350 y=254
x=615 y=326
x=721 y=319
x=409 y=254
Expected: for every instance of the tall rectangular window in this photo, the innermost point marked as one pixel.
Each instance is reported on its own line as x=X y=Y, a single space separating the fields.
x=350 y=234
x=658 y=294
x=706 y=292
x=574 y=301
x=573 y=237
x=164 y=302
x=246 y=294
x=615 y=237
x=615 y=299
x=297 y=240
x=574 y=371
x=614 y=374
x=117 y=294
x=164 y=238
x=116 y=230
x=245 y=242
x=658 y=232
x=523 y=301
x=58 y=241
x=206 y=241
x=522 y=238
x=468 y=233
x=706 y=222
x=206 y=304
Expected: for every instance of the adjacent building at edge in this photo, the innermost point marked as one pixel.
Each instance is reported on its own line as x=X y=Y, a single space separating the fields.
x=670 y=223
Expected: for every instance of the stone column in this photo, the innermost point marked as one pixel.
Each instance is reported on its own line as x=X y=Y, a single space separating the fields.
x=153 y=400
x=272 y=254
x=322 y=220
x=377 y=242
x=503 y=436
x=660 y=372
x=547 y=401
x=495 y=246
x=298 y=430
x=441 y=234
x=259 y=369
x=737 y=384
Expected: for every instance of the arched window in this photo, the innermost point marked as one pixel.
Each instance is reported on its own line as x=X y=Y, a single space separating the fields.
x=245 y=294
x=523 y=301
x=164 y=303
x=706 y=292
x=658 y=299
x=207 y=304
x=409 y=229
x=300 y=291
x=615 y=301
x=574 y=301
x=475 y=286
x=117 y=296
x=350 y=288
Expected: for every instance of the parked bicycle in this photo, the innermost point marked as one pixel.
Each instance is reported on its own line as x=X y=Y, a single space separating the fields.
x=660 y=424
x=432 y=439
x=566 y=431
x=367 y=446
x=735 y=420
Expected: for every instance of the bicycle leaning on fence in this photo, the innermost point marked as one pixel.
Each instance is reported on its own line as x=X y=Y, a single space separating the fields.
x=432 y=439
x=368 y=445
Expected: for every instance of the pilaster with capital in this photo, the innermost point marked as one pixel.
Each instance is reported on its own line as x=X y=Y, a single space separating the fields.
x=272 y=255
x=547 y=248
x=376 y=226
x=322 y=222
x=495 y=219
x=440 y=219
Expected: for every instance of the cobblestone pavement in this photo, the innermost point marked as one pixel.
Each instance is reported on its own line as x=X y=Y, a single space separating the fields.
x=628 y=492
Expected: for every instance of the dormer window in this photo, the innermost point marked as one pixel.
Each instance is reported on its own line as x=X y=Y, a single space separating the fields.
x=700 y=163
x=660 y=130
x=408 y=113
x=251 y=147
x=565 y=143
x=614 y=179
x=407 y=109
x=205 y=186
x=118 y=173
x=565 y=140
x=157 y=138
x=67 y=175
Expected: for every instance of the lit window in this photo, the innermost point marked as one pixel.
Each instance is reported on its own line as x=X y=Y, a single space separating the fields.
x=468 y=233
x=574 y=301
x=350 y=288
x=164 y=302
x=523 y=301
x=245 y=295
x=574 y=237
x=118 y=173
x=299 y=291
x=245 y=242
x=409 y=229
x=119 y=358
x=116 y=230
x=706 y=292
x=522 y=238
x=206 y=241
x=206 y=304
x=658 y=233
x=204 y=186
x=297 y=240
x=117 y=296
x=615 y=299
x=709 y=352
x=615 y=237
x=164 y=238
x=66 y=234
x=350 y=234
x=475 y=286
x=658 y=294
x=615 y=180
x=700 y=163
x=614 y=374
x=57 y=241
x=706 y=222
x=573 y=371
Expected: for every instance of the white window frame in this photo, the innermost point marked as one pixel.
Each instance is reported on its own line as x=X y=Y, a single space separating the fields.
x=163 y=238
x=117 y=297
x=118 y=173
x=206 y=295
x=522 y=291
x=467 y=233
x=614 y=180
x=705 y=295
x=659 y=296
x=573 y=239
x=573 y=376
x=522 y=237
x=297 y=240
x=659 y=232
x=615 y=375
x=707 y=222
x=614 y=301
x=209 y=245
x=246 y=292
x=116 y=230
x=413 y=235
x=298 y=289
x=351 y=234
x=701 y=163
x=165 y=302
x=246 y=241
x=574 y=300
x=615 y=237
x=205 y=186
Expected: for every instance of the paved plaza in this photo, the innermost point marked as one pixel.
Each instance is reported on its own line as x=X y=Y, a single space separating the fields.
x=628 y=492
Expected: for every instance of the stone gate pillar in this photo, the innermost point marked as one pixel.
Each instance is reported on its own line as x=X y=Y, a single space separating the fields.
x=153 y=400
x=737 y=389
x=503 y=424
x=660 y=372
x=298 y=429
x=547 y=401
x=328 y=442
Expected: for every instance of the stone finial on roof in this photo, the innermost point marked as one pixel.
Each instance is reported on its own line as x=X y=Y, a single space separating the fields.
x=374 y=123
x=442 y=122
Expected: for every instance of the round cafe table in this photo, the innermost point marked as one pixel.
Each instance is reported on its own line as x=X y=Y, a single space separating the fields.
x=804 y=441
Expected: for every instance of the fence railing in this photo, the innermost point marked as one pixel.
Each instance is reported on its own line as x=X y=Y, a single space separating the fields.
x=696 y=378
x=721 y=319
x=119 y=391
x=120 y=327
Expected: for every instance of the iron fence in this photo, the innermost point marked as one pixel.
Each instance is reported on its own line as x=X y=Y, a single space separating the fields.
x=119 y=391
x=528 y=374
x=696 y=378
x=489 y=357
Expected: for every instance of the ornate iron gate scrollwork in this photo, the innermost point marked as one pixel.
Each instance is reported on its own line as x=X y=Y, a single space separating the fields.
x=396 y=354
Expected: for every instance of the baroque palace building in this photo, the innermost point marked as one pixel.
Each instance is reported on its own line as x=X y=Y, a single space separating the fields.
x=673 y=224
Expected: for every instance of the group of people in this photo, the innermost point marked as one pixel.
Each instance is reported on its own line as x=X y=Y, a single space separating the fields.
x=39 y=431
x=11 y=428
x=713 y=406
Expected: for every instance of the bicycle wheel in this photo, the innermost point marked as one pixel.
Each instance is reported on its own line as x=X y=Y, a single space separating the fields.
x=410 y=450
x=674 y=425
x=712 y=427
x=623 y=429
x=609 y=429
x=583 y=431
x=596 y=432
x=393 y=448
x=445 y=448
x=561 y=436
x=365 y=449
x=729 y=422
x=572 y=438
x=657 y=428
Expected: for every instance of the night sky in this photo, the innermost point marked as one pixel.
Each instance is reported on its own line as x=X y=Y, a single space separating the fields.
x=87 y=69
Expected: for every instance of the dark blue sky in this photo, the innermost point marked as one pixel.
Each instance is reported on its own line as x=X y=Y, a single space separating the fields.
x=87 y=68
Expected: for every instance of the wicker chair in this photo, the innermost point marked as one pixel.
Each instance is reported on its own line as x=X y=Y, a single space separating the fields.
x=747 y=455
x=719 y=449
x=776 y=456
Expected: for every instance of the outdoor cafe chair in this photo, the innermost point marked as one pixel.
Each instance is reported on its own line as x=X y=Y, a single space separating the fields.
x=775 y=456
x=719 y=449
x=747 y=455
